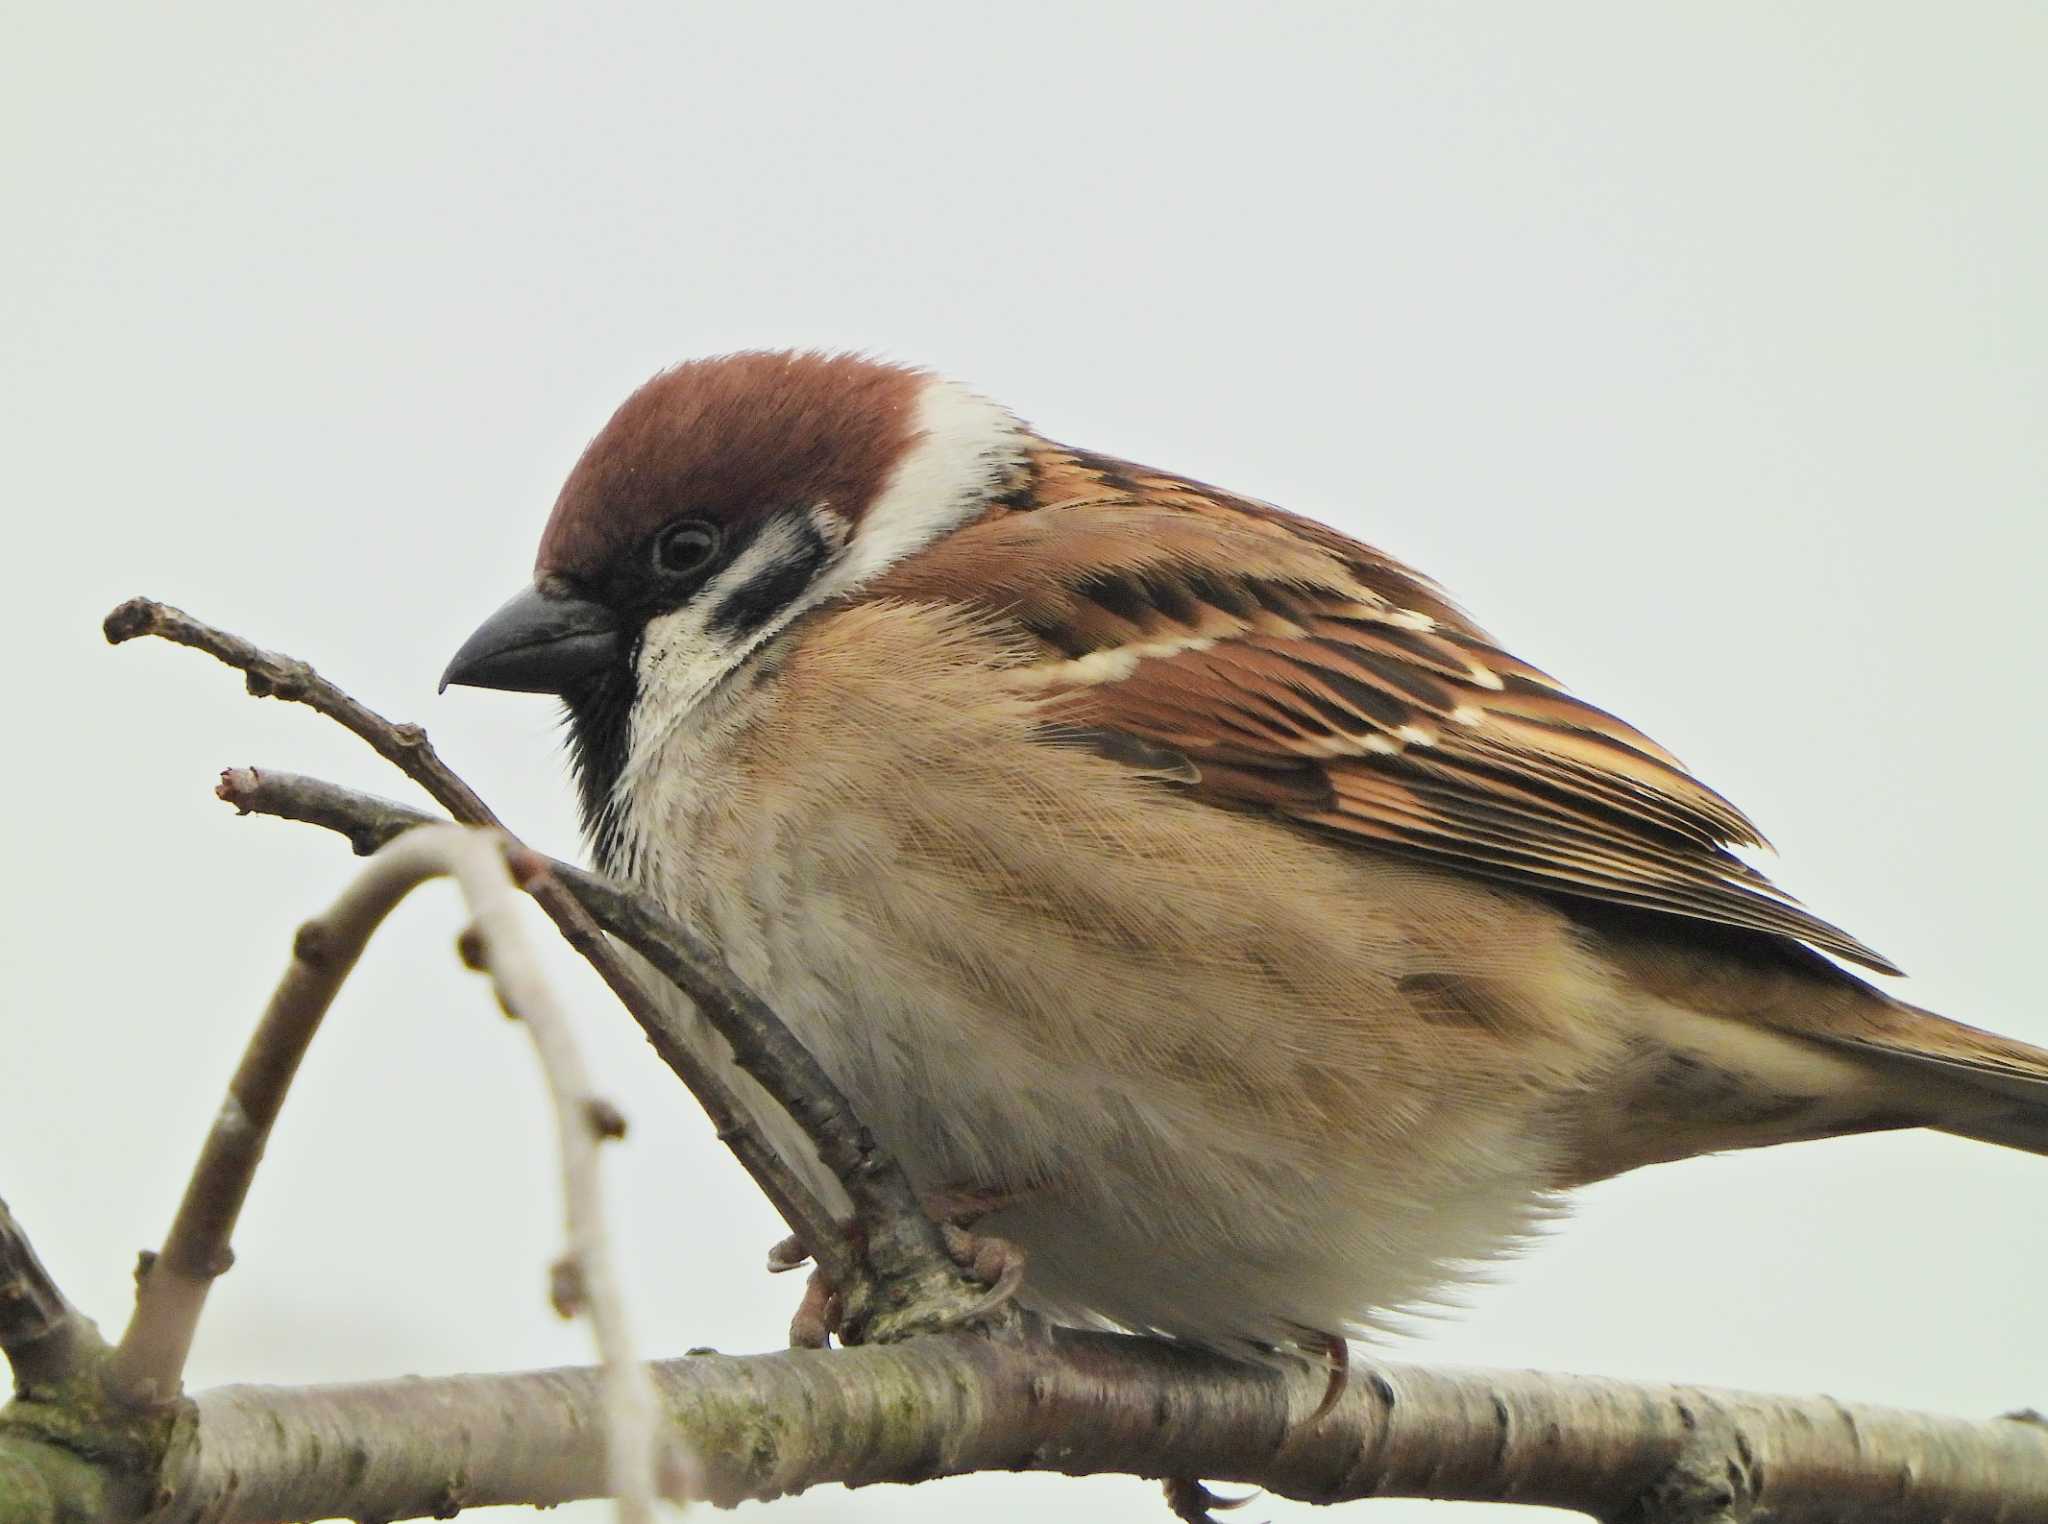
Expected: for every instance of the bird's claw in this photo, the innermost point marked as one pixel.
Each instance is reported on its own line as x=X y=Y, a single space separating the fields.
x=1191 y=1500
x=788 y=1254
x=1336 y=1350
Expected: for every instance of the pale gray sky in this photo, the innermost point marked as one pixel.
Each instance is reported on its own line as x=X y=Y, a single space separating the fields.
x=1699 y=348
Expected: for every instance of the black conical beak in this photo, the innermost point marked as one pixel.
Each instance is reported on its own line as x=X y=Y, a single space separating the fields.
x=537 y=643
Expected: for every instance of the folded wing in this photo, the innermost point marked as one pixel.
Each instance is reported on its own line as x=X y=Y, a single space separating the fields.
x=1300 y=672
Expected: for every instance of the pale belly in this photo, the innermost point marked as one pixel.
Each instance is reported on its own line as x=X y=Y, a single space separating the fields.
x=1220 y=1122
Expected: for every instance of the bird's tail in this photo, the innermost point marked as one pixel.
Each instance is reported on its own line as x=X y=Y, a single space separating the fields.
x=2023 y=1127
x=1984 y=1086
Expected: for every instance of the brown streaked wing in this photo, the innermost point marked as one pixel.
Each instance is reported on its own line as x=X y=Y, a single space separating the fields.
x=1304 y=673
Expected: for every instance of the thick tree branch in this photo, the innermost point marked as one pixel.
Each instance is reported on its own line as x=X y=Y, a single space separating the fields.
x=902 y=1248
x=1087 y=1404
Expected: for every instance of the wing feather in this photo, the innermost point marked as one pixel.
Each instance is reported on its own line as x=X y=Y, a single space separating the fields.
x=1301 y=672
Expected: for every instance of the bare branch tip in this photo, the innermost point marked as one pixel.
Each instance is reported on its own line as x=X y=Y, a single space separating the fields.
x=136 y=616
x=237 y=785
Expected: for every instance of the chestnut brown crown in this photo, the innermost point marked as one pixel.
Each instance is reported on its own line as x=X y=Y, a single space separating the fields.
x=731 y=439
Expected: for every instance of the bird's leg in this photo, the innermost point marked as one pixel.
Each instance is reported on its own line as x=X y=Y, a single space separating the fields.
x=960 y=1206
x=964 y=1205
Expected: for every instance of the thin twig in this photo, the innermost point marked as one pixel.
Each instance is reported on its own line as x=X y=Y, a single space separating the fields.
x=173 y=1285
x=406 y=746
x=42 y=1335
x=904 y=1246
x=760 y=1043
x=267 y=674
x=585 y=1279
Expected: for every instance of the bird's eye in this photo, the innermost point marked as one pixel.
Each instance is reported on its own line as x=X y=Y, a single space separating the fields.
x=684 y=547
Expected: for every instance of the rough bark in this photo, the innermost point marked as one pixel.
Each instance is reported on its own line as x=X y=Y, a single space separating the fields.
x=768 y=1425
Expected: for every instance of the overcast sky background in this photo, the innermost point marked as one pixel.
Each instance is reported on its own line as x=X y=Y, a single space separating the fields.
x=1700 y=349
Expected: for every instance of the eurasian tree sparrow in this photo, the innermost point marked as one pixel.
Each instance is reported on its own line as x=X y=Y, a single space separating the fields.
x=1198 y=881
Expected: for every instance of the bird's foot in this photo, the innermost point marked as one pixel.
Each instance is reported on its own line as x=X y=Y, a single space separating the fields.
x=818 y=1316
x=822 y=1311
x=1191 y=1500
x=996 y=1262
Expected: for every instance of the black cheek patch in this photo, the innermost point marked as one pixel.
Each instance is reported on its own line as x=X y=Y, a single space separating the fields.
x=754 y=603
x=600 y=714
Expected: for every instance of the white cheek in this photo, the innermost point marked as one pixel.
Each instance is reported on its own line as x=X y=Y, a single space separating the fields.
x=678 y=658
x=678 y=663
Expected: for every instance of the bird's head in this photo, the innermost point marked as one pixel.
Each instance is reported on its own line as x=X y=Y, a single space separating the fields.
x=724 y=499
